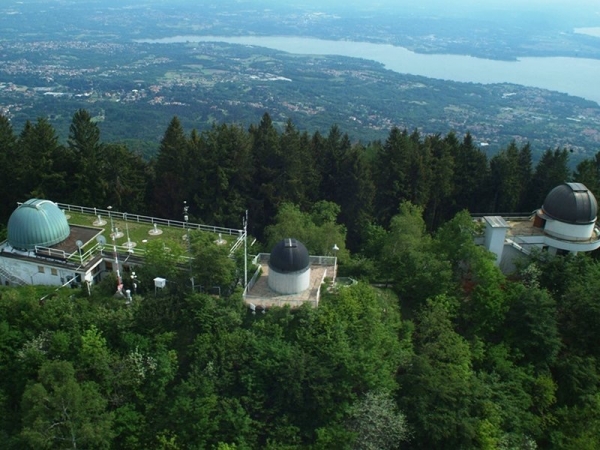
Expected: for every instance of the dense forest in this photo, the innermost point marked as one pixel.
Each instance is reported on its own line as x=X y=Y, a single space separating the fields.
x=433 y=348
x=227 y=170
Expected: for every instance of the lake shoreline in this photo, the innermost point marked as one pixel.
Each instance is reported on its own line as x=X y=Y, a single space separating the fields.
x=573 y=76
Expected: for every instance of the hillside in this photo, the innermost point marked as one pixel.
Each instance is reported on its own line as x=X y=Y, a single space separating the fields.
x=134 y=89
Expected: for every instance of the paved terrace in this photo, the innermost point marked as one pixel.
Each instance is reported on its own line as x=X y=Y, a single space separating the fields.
x=261 y=296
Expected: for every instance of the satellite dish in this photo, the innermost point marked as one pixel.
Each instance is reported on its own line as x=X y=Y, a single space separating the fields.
x=78 y=243
x=101 y=240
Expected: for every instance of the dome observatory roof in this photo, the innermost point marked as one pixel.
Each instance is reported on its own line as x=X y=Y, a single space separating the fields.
x=289 y=255
x=571 y=203
x=37 y=222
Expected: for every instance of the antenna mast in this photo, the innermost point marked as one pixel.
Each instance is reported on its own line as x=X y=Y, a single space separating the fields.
x=116 y=254
x=246 y=252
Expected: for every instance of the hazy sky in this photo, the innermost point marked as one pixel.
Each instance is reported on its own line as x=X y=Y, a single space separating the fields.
x=515 y=5
x=458 y=6
x=475 y=4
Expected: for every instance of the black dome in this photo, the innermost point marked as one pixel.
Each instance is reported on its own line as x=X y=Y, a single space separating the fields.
x=289 y=255
x=571 y=203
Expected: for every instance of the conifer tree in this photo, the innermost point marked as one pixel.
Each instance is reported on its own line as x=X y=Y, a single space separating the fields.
x=38 y=174
x=442 y=175
x=170 y=170
x=226 y=175
x=356 y=195
x=335 y=146
x=525 y=173
x=86 y=151
x=125 y=178
x=471 y=177
x=588 y=173
x=392 y=174
x=420 y=171
x=505 y=180
x=268 y=166
x=8 y=162
x=551 y=171
x=299 y=178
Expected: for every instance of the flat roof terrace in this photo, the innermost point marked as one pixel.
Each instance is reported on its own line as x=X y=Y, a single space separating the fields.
x=132 y=232
x=523 y=227
x=261 y=296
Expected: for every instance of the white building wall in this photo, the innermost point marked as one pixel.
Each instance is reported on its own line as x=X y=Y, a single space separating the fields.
x=495 y=235
x=35 y=273
x=569 y=231
x=289 y=283
x=510 y=258
x=573 y=246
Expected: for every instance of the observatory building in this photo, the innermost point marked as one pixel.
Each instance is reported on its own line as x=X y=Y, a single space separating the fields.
x=566 y=223
x=288 y=276
x=289 y=267
x=42 y=248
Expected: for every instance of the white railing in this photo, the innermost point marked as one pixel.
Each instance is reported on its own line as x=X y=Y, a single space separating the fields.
x=12 y=278
x=320 y=285
x=313 y=260
x=149 y=219
x=118 y=215
x=513 y=242
x=253 y=280
x=263 y=258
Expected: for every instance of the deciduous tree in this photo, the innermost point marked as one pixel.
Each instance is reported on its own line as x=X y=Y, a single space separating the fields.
x=59 y=412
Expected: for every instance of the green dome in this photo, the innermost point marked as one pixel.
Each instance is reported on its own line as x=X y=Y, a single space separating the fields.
x=37 y=222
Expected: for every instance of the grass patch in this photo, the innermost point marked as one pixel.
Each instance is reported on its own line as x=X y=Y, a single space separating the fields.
x=140 y=233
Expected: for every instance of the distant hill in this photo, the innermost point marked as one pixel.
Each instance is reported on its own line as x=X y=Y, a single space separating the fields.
x=133 y=90
x=59 y=57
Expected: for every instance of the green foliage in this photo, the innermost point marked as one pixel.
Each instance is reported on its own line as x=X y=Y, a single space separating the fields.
x=377 y=423
x=59 y=412
x=405 y=251
x=171 y=168
x=439 y=388
x=318 y=229
x=532 y=325
x=588 y=173
x=471 y=176
x=161 y=260
x=211 y=265
x=484 y=362
x=85 y=150
x=511 y=180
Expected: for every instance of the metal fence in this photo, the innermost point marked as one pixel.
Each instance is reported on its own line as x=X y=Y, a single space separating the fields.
x=158 y=221
x=148 y=219
x=263 y=258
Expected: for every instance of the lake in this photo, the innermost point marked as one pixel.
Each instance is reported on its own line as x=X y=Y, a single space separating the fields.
x=574 y=76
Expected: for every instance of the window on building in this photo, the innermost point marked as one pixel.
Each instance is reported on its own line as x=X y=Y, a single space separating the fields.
x=41 y=269
x=54 y=272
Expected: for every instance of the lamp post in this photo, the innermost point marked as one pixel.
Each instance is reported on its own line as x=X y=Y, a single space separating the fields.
x=246 y=253
x=186 y=219
x=335 y=249
x=112 y=228
x=119 y=281
x=129 y=244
